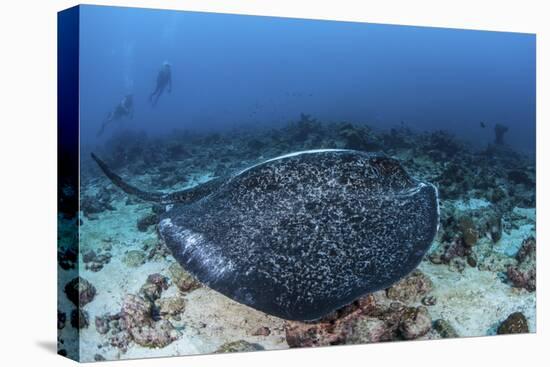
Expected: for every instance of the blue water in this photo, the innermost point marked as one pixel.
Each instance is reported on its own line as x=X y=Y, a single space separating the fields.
x=233 y=71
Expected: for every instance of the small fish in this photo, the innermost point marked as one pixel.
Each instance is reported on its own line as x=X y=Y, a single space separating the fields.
x=482 y=124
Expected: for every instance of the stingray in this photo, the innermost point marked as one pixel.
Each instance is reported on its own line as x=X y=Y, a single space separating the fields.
x=300 y=235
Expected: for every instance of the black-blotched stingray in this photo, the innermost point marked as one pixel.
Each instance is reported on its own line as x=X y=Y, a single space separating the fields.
x=300 y=235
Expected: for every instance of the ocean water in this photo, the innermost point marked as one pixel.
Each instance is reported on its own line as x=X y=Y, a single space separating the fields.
x=247 y=89
x=231 y=71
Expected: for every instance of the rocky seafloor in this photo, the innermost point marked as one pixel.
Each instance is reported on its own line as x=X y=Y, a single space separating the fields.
x=124 y=296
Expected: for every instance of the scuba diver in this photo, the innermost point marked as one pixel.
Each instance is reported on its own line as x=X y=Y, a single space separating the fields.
x=164 y=79
x=125 y=108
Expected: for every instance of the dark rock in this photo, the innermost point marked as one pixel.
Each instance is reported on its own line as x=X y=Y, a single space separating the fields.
x=79 y=319
x=262 y=331
x=520 y=177
x=95 y=262
x=61 y=319
x=144 y=223
x=89 y=256
x=445 y=329
x=468 y=229
x=415 y=322
x=67 y=258
x=429 y=301
x=80 y=292
x=524 y=274
x=516 y=323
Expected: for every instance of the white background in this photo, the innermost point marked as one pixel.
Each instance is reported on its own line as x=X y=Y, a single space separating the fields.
x=28 y=181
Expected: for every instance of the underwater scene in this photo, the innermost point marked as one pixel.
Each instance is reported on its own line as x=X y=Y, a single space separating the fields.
x=256 y=183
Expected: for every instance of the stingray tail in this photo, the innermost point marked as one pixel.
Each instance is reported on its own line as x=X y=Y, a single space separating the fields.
x=155 y=197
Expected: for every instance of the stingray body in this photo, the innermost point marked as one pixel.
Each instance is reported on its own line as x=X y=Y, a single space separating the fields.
x=301 y=235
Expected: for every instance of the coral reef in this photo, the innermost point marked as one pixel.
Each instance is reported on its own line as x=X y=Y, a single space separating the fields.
x=481 y=266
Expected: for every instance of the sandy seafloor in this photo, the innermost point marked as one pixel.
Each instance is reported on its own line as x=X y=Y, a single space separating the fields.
x=473 y=301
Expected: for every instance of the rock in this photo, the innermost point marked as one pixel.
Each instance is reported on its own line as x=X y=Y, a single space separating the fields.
x=170 y=306
x=445 y=329
x=134 y=258
x=468 y=229
x=157 y=335
x=516 y=323
x=429 y=300
x=138 y=319
x=105 y=323
x=153 y=287
x=61 y=319
x=524 y=274
x=415 y=323
x=332 y=329
x=88 y=256
x=262 y=331
x=182 y=279
x=457 y=264
x=136 y=315
x=93 y=205
x=67 y=258
x=94 y=261
x=239 y=346
x=497 y=194
x=79 y=319
x=370 y=330
x=410 y=288
x=471 y=260
x=494 y=225
x=520 y=177
x=136 y=311
x=144 y=223
x=451 y=253
x=99 y=357
x=80 y=292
